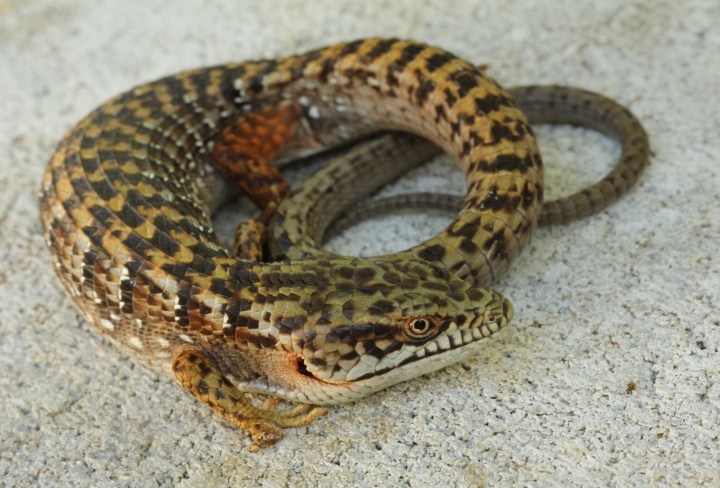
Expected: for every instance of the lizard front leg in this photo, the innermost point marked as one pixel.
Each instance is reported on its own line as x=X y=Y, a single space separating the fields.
x=201 y=379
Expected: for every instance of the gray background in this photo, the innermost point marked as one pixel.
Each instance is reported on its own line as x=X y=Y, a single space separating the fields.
x=626 y=297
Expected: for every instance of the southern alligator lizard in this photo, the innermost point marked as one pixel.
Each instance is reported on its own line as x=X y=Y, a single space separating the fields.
x=126 y=202
x=316 y=208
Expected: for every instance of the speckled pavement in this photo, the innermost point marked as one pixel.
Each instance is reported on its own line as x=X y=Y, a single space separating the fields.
x=610 y=372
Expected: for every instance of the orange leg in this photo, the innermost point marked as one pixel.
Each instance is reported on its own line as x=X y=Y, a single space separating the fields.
x=245 y=148
x=243 y=153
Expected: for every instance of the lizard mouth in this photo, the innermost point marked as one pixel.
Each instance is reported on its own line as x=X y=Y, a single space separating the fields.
x=302 y=382
x=395 y=362
x=452 y=347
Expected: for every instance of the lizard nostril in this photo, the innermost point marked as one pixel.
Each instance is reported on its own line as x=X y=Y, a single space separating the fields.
x=508 y=309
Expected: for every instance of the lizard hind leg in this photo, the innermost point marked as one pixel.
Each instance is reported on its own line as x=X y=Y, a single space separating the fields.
x=244 y=153
x=201 y=379
x=245 y=149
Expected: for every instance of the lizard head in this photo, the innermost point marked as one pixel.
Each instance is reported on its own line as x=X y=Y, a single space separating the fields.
x=375 y=324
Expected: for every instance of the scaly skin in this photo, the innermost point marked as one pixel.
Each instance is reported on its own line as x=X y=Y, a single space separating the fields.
x=126 y=202
x=318 y=206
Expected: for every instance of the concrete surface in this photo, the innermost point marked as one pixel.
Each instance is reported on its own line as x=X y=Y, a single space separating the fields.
x=610 y=374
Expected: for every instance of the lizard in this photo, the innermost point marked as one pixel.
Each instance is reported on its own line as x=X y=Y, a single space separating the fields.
x=127 y=196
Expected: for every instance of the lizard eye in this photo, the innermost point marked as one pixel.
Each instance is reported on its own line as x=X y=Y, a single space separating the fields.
x=419 y=328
